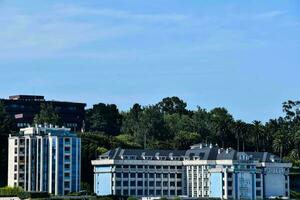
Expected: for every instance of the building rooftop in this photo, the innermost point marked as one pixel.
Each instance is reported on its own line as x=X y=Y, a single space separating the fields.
x=196 y=152
x=47 y=130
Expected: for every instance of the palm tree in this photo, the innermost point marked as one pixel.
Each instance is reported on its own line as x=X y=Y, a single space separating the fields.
x=258 y=132
x=240 y=129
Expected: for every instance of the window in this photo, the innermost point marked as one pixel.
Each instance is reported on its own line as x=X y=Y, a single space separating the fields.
x=146 y=183
x=165 y=167
x=172 y=192
x=172 y=184
x=229 y=175
x=125 y=183
x=132 y=183
x=258 y=193
x=125 y=192
x=118 y=192
x=140 y=175
x=257 y=184
x=157 y=175
x=257 y=175
x=165 y=175
x=140 y=192
x=140 y=183
x=151 y=183
x=158 y=192
x=165 y=183
x=151 y=175
x=125 y=175
x=132 y=192
x=118 y=183
x=172 y=167
x=140 y=166
x=178 y=175
x=229 y=183
x=132 y=175
x=158 y=183
x=165 y=192
x=178 y=184
x=67 y=184
x=118 y=175
x=132 y=167
x=151 y=192
x=172 y=175
x=229 y=192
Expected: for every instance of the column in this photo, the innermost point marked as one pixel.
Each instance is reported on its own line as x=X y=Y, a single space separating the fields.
x=187 y=181
x=225 y=184
x=192 y=172
x=202 y=180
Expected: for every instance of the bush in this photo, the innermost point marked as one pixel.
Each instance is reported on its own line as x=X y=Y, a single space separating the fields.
x=132 y=198
x=10 y=191
x=19 y=192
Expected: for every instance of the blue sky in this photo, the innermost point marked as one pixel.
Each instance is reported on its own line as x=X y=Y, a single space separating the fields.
x=242 y=55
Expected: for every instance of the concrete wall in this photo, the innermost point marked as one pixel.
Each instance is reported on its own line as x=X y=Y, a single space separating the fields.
x=274 y=185
x=103 y=179
x=216 y=185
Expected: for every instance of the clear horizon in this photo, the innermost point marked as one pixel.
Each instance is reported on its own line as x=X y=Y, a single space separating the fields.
x=243 y=56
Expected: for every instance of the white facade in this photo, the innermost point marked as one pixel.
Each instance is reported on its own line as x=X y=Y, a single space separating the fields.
x=231 y=175
x=44 y=159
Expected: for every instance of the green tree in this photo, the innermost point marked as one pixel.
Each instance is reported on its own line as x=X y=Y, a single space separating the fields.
x=47 y=115
x=184 y=139
x=171 y=105
x=151 y=127
x=221 y=125
x=240 y=129
x=292 y=110
x=104 y=118
x=201 y=120
x=6 y=127
x=257 y=134
x=131 y=120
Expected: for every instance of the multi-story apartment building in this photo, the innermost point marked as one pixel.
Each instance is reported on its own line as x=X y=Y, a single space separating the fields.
x=23 y=109
x=45 y=159
x=202 y=171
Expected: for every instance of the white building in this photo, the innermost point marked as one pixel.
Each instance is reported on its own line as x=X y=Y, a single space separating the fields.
x=202 y=171
x=45 y=159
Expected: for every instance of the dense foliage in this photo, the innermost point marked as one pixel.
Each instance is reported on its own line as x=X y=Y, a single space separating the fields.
x=19 y=192
x=6 y=127
x=47 y=115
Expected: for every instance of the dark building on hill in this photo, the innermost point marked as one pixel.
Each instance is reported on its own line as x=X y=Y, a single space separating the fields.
x=23 y=108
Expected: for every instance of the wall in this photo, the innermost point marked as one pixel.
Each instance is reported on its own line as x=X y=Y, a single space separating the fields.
x=103 y=178
x=216 y=185
x=274 y=185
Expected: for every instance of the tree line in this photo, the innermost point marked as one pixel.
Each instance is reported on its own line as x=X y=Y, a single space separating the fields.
x=168 y=124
